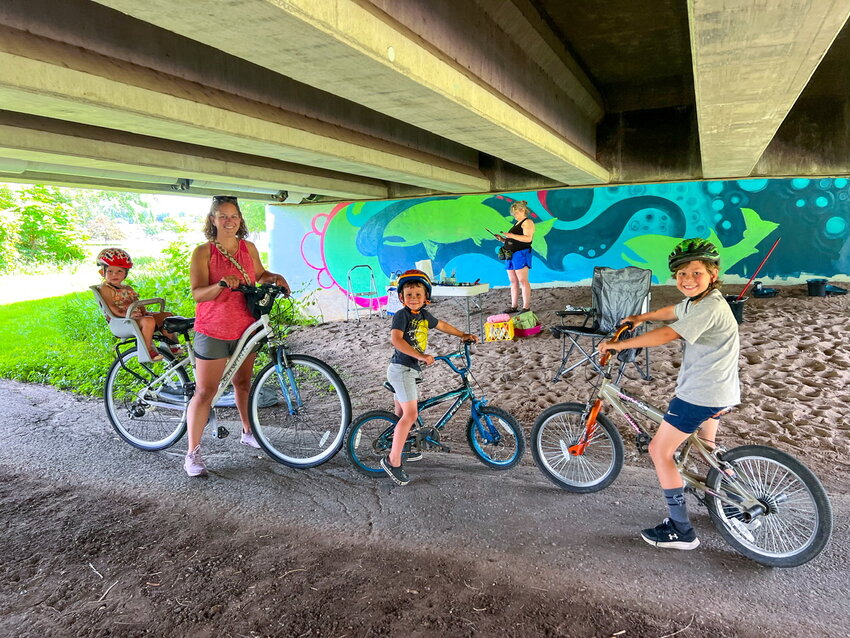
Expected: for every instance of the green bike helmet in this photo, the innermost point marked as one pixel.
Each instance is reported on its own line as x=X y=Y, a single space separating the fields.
x=692 y=249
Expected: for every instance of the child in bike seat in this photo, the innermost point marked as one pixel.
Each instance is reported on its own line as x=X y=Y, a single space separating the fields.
x=707 y=384
x=409 y=337
x=114 y=265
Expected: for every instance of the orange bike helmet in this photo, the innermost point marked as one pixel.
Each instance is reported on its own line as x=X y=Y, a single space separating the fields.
x=409 y=276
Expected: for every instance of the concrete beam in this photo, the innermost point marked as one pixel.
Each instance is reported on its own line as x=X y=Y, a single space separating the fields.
x=751 y=60
x=82 y=148
x=54 y=80
x=354 y=50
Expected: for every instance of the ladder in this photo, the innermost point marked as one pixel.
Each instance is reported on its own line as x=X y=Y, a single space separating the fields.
x=351 y=305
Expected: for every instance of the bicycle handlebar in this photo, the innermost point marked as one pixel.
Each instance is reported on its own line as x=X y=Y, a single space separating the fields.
x=618 y=332
x=465 y=354
x=245 y=288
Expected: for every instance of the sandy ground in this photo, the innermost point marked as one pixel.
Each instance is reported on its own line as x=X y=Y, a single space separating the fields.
x=100 y=539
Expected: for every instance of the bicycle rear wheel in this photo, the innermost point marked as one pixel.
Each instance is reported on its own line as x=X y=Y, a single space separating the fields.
x=370 y=438
x=299 y=416
x=496 y=438
x=146 y=411
x=797 y=522
x=562 y=426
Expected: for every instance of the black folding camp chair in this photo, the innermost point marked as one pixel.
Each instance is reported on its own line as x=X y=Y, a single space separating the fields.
x=615 y=294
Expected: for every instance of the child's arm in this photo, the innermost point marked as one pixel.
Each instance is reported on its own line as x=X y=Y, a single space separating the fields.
x=657 y=337
x=667 y=313
x=449 y=329
x=397 y=339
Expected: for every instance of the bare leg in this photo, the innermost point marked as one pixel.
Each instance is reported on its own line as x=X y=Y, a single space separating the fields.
x=512 y=276
x=159 y=317
x=207 y=375
x=522 y=278
x=242 y=388
x=402 y=429
x=665 y=442
x=708 y=432
x=147 y=325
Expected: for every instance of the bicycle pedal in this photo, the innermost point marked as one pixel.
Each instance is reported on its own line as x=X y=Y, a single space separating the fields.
x=221 y=432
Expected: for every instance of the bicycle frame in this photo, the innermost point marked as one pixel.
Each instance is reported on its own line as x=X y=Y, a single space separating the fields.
x=252 y=337
x=628 y=406
x=460 y=395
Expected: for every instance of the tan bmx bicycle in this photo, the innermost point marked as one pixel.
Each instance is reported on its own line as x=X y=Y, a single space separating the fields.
x=765 y=503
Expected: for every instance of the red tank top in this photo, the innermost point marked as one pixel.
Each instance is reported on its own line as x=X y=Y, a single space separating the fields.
x=226 y=316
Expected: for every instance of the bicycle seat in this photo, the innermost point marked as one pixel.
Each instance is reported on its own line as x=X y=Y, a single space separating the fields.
x=180 y=325
x=389 y=386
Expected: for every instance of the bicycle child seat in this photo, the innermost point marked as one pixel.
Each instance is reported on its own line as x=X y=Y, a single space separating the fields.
x=125 y=327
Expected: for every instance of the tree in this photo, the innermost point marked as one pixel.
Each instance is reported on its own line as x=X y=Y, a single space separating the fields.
x=49 y=231
x=9 y=228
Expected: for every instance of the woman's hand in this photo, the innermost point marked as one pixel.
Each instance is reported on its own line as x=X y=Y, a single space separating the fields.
x=469 y=337
x=232 y=281
x=501 y=238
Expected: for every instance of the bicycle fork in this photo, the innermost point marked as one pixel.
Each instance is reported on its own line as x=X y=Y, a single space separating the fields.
x=286 y=379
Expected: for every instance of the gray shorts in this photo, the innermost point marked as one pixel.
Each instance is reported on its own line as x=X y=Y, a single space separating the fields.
x=403 y=381
x=210 y=348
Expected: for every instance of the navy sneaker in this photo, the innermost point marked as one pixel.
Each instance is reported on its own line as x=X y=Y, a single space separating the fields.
x=397 y=474
x=667 y=535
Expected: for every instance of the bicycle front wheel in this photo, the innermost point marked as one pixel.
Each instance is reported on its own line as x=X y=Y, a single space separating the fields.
x=797 y=522
x=300 y=413
x=496 y=438
x=370 y=438
x=145 y=402
x=562 y=426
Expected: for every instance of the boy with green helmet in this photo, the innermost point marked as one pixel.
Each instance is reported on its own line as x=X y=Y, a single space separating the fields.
x=707 y=385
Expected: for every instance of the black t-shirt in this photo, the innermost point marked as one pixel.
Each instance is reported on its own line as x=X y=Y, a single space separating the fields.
x=513 y=244
x=415 y=328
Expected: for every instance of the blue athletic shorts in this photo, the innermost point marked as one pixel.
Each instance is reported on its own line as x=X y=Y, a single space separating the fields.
x=519 y=260
x=687 y=417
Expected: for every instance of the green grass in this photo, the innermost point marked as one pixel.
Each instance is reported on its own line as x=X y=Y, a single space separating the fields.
x=60 y=341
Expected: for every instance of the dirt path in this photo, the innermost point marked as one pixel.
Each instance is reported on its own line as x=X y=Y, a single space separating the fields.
x=100 y=539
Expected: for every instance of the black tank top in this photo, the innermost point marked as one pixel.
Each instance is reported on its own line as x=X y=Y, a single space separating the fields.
x=513 y=244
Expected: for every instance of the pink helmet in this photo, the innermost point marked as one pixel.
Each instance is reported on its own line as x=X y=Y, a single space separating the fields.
x=114 y=257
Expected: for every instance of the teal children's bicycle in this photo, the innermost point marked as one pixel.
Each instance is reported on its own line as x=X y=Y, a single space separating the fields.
x=494 y=435
x=299 y=406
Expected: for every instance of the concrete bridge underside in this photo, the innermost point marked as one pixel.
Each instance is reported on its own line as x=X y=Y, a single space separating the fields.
x=370 y=99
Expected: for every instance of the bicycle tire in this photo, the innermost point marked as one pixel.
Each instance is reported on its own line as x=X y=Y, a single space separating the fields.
x=136 y=420
x=559 y=427
x=311 y=433
x=504 y=452
x=798 y=522
x=369 y=438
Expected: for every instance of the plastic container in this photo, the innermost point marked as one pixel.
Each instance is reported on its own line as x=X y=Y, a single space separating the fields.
x=737 y=306
x=817 y=287
x=527 y=332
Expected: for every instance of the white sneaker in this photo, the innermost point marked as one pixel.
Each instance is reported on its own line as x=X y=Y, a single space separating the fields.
x=194 y=463
x=249 y=440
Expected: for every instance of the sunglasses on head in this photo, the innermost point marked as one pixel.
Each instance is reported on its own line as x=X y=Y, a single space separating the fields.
x=225 y=198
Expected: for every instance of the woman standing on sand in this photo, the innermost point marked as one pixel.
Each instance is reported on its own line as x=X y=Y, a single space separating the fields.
x=518 y=242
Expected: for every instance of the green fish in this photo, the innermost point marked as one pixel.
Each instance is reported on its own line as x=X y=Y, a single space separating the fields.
x=441 y=222
x=654 y=249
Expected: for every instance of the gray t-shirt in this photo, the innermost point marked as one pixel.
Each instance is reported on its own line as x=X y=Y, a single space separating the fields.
x=709 y=373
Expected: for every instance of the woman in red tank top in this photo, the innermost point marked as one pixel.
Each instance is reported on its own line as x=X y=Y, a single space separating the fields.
x=222 y=316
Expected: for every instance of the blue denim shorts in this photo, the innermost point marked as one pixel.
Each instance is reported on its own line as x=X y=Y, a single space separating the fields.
x=687 y=417
x=519 y=260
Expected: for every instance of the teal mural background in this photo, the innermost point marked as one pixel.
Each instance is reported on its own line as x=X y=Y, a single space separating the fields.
x=577 y=229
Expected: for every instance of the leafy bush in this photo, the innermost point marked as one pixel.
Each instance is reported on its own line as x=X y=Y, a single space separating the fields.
x=49 y=231
x=64 y=341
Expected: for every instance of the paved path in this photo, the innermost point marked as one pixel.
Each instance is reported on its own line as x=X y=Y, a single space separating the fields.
x=516 y=521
